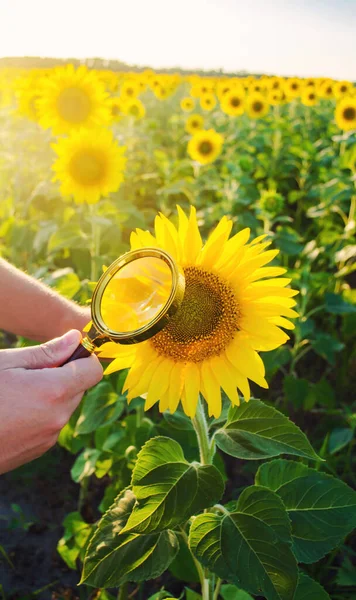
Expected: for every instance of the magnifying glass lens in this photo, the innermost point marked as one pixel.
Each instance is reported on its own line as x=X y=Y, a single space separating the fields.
x=136 y=294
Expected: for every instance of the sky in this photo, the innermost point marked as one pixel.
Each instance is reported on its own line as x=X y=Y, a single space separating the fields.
x=283 y=37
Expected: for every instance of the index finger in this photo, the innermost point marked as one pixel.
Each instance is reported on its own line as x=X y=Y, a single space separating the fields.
x=76 y=376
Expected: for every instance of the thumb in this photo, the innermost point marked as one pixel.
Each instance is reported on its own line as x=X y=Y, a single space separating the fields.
x=50 y=354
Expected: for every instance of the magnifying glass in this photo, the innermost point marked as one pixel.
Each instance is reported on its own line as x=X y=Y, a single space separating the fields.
x=133 y=300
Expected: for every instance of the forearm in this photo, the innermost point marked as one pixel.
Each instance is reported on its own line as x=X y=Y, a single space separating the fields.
x=33 y=310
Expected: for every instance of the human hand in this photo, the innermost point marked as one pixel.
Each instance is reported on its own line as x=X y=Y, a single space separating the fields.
x=37 y=400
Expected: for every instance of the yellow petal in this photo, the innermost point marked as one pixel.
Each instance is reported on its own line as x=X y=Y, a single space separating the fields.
x=282 y=322
x=266 y=272
x=176 y=386
x=146 y=376
x=191 y=388
x=213 y=247
x=211 y=389
x=231 y=248
x=246 y=361
x=122 y=362
x=222 y=371
x=159 y=383
x=193 y=242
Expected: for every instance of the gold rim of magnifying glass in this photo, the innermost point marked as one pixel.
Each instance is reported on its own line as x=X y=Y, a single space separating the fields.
x=165 y=314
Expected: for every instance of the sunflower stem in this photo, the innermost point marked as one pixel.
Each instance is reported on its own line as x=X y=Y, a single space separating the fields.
x=94 y=244
x=201 y=429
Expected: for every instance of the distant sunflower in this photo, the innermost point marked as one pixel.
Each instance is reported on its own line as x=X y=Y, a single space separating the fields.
x=207 y=101
x=72 y=98
x=326 y=89
x=90 y=165
x=130 y=89
x=187 y=104
x=345 y=114
x=233 y=103
x=256 y=106
x=276 y=97
x=205 y=146
x=292 y=87
x=234 y=306
x=309 y=96
x=134 y=108
x=115 y=104
x=342 y=88
x=194 y=123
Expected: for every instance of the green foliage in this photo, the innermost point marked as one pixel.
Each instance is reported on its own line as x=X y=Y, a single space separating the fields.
x=168 y=488
x=255 y=431
x=322 y=509
x=250 y=546
x=114 y=556
x=75 y=539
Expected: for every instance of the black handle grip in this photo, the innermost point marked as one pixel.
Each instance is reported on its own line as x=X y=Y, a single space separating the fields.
x=79 y=352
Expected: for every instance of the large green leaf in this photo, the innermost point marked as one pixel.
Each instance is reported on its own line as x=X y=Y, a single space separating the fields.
x=101 y=406
x=256 y=431
x=114 y=557
x=322 y=509
x=169 y=489
x=308 y=589
x=250 y=546
x=231 y=592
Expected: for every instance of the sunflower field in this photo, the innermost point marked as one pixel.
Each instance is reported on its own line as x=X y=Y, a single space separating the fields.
x=215 y=460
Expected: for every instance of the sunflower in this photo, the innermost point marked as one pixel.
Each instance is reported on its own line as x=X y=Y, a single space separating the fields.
x=309 y=96
x=71 y=99
x=232 y=103
x=194 y=123
x=345 y=114
x=130 y=89
x=342 y=88
x=207 y=101
x=271 y=202
x=326 y=89
x=116 y=107
x=187 y=104
x=134 y=108
x=234 y=306
x=275 y=97
x=90 y=164
x=256 y=106
x=205 y=146
x=292 y=87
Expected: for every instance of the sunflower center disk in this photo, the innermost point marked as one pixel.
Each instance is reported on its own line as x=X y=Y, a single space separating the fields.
x=349 y=114
x=205 y=323
x=87 y=167
x=74 y=105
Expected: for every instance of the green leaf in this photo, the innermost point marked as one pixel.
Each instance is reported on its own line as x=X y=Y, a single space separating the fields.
x=288 y=241
x=67 y=285
x=75 y=538
x=339 y=438
x=296 y=390
x=336 y=305
x=84 y=465
x=183 y=566
x=231 y=592
x=346 y=575
x=114 y=557
x=70 y=236
x=327 y=346
x=169 y=490
x=257 y=431
x=101 y=406
x=249 y=547
x=322 y=509
x=190 y=595
x=308 y=589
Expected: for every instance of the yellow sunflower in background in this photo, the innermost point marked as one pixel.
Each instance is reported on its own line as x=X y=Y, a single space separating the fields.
x=256 y=106
x=326 y=89
x=130 y=89
x=194 y=123
x=292 y=87
x=309 y=96
x=207 y=101
x=205 y=146
x=342 y=88
x=116 y=108
x=275 y=97
x=187 y=104
x=71 y=99
x=234 y=306
x=134 y=108
x=233 y=103
x=90 y=165
x=28 y=94
x=345 y=114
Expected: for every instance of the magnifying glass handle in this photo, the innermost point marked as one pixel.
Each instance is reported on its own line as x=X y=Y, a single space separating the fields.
x=79 y=352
